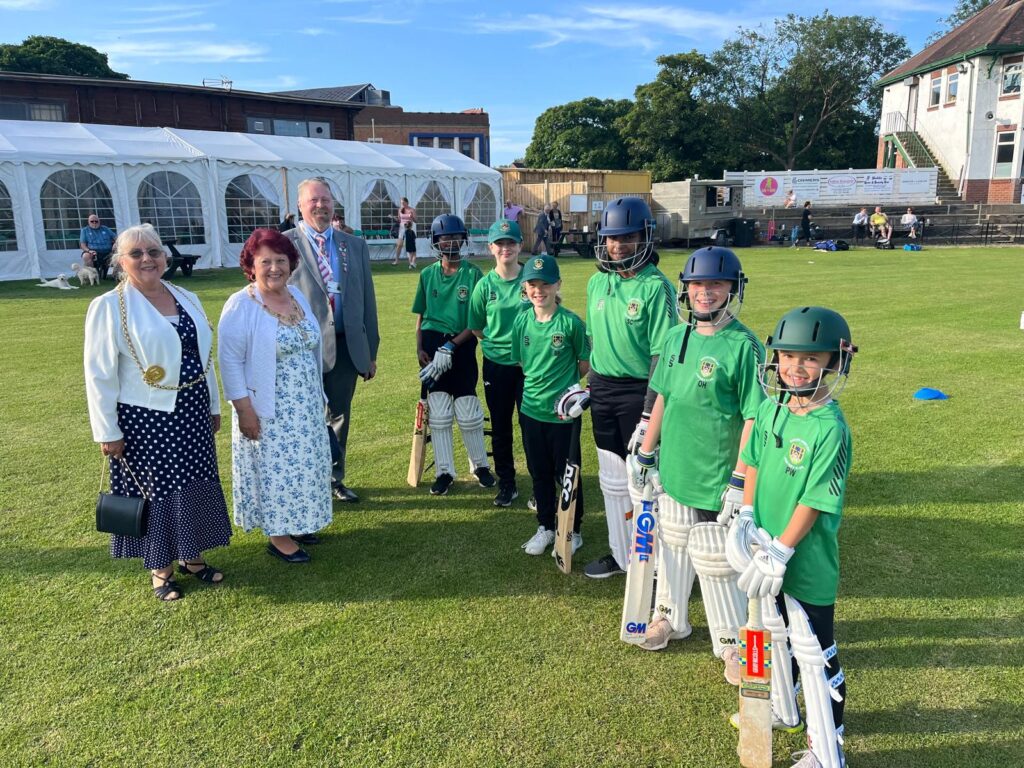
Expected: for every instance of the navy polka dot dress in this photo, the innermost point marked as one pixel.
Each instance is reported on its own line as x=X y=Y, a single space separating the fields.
x=174 y=459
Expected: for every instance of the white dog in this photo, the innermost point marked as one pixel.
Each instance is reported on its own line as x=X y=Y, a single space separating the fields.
x=60 y=281
x=86 y=274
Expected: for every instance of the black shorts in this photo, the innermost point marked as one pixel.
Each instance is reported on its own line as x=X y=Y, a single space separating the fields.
x=410 y=241
x=616 y=405
x=460 y=380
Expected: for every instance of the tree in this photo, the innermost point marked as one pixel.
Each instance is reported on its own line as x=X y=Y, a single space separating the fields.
x=671 y=130
x=55 y=56
x=790 y=87
x=580 y=134
x=964 y=10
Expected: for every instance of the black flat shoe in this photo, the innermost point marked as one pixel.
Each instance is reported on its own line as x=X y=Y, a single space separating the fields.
x=298 y=556
x=343 y=493
x=306 y=539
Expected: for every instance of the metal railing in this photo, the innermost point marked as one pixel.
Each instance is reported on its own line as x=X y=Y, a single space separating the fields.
x=896 y=122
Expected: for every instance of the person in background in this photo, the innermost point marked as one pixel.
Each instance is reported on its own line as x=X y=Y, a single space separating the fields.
x=287 y=223
x=860 y=224
x=406 y=221
x=556 y=225
x=97 y=243
x=340 y=226
x=880 y=225
x=910 y=223
x=540 y=230
x=805 y=225
x=154 y=408
x=790 y=199
x=271 y=365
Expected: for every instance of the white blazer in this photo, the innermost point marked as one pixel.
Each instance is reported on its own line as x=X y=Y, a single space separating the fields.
x=111 y=375
x=247 y=350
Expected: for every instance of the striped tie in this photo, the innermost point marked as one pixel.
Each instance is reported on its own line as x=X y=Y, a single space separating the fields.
x=324 y=262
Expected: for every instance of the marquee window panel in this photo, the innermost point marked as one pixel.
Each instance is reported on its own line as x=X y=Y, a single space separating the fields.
x=171 y=203
x=248 y=208
x=8 y=237
x=67 y=198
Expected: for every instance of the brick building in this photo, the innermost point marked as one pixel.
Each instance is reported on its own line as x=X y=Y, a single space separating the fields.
x=957 y=105
x=62 y=98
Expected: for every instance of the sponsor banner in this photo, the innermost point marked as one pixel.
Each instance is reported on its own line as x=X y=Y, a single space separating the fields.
x=878 y=183
x=915 y=182
x=806 y=188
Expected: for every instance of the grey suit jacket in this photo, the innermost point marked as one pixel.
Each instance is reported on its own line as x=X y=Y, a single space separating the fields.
x=358 y=299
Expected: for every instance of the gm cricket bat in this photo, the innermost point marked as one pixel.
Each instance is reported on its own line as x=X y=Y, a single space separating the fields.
x=419 y=441
x=567 y=501
x=636 y=606
x=755 y=745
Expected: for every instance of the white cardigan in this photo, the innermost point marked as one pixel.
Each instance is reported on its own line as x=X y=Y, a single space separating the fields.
x=247 y=350
x=112 y=377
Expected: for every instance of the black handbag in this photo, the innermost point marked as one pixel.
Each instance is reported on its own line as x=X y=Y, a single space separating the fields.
x=123 y=515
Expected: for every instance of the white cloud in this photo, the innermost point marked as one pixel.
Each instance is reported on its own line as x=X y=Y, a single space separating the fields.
x=279 y=83
x=313 y=31
x=179 y=15
x=368 y=19
x=204 y=27
x=24 y=5
x=153 y=51
x=682 y=22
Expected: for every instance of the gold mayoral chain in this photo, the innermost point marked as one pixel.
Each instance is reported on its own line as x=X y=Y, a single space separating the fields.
x=294 y=318
x=155 y=373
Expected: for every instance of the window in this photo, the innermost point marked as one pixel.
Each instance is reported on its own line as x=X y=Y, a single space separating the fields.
x=171 y=203
x=375 y=140
x=31 y=110
x=936 y=94
x=8 y=239
x=290 y=128
x=377 y=213
x=482 y=210
x=248 y=205
x=424 y=141
x=951 y=84
x=67 y=198
x=430 y=206
x=1006 y=143
x=1011 y=78
x=446 y=142
x=466 y=147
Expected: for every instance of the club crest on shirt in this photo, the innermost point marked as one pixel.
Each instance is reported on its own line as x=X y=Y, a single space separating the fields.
x=492 y=296
x=798 y=451
x=463 y=292
x=557 y=340
x=633 y=308
x=708 y=366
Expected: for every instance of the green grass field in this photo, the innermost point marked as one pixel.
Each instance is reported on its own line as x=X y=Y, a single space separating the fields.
x=422 y=635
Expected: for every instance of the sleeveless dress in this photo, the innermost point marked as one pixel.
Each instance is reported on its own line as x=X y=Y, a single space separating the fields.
x=173 y=457
x=282 y=482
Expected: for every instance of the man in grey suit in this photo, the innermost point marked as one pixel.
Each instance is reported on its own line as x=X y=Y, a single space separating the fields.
x=334 y=274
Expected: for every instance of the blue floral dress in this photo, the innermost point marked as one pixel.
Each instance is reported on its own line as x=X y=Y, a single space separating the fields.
x=282 y=482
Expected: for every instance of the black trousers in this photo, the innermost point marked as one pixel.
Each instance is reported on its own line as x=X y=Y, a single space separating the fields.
x=616 y=405
x=459 y=380
x=548 y=446
x=822 y=618
x=340 y=386
x=503 y=390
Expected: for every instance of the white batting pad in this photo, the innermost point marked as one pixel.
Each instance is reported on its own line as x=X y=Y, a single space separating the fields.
x=470 y=416
x=614 y=482
x=675 y=570
x=818 y=689
x=783 y=691
x=440 y=415
x=724 y=603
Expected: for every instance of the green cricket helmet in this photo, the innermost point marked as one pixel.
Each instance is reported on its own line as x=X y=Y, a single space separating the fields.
x=809 y=329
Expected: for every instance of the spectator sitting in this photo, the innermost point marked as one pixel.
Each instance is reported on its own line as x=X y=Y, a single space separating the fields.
x=97 y=243
x=287 y=223
x=880 y=226
x=909 y=222
x=790 y=199
x=340 y=226
x=860 y=224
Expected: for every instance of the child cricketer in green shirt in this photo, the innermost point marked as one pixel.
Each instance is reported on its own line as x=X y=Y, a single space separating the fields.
x=551 y=345
x=798 y=459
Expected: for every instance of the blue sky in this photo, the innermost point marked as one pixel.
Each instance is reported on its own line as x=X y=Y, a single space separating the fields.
x=512 y=59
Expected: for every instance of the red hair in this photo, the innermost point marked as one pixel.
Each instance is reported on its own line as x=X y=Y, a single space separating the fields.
x=266 y=238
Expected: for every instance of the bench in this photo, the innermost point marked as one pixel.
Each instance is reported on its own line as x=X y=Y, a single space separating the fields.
x=185 y=261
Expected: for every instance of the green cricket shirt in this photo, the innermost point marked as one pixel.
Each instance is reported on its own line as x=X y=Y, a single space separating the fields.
x=708 y=396
x=443 y=300
x=627 y=321
x=549 y=354
x=809 y=468
x=493 y=309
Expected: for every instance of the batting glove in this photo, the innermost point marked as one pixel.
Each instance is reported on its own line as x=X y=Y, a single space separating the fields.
x=428 y=375
x=442 y=361
x=740 y=538
x=732 y=498
x=639 y=467
x=766 y=570
x=639 y=433
x=572 y=402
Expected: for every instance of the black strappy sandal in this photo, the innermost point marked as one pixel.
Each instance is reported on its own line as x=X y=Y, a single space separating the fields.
x=167 y=588
x=206 y=574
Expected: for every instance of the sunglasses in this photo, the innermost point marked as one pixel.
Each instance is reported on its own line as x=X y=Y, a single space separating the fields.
x=153 y=253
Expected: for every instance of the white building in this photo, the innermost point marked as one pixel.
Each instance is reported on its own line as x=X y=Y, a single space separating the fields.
x=957 y=104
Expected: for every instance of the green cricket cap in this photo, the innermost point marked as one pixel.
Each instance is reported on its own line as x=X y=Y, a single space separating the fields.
x=542 y=267
x=503 y=229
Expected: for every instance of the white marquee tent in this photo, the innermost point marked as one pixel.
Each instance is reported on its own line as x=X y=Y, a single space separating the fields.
x=208 y=190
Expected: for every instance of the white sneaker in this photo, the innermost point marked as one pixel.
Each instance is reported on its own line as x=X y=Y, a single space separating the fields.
x=731 y=657
x=577 y=542
x=659 y=632
x=540 y=541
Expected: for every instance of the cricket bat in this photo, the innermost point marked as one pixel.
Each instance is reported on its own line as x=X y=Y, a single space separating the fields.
x=636 y=605
x=567 y=501
x=755 y=745
x=419 y=441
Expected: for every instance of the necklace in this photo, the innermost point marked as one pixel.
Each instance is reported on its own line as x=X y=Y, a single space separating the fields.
x=294 y=318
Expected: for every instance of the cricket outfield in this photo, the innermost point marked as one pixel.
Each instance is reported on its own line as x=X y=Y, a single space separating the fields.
x=422 y=635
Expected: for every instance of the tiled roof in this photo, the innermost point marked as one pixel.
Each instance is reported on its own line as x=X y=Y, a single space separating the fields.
x=337 y=93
